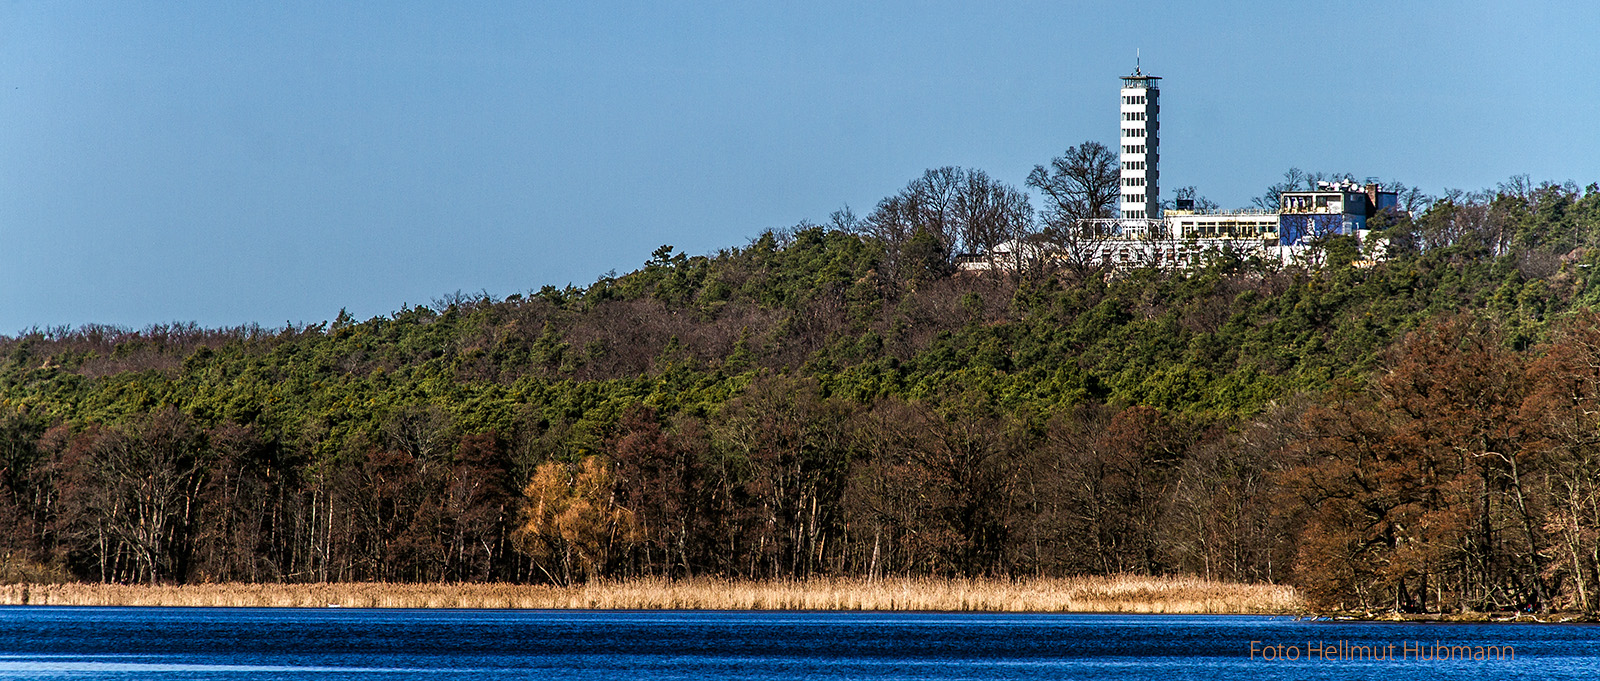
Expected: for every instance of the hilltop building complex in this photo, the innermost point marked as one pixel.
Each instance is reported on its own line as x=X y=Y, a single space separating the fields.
x=1146 y=235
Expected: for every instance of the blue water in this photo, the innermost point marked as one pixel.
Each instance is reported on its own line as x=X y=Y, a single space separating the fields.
x=208 y=643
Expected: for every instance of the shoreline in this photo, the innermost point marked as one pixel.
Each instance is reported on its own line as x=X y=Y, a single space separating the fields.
x=1108 y=595
x=1505 y=617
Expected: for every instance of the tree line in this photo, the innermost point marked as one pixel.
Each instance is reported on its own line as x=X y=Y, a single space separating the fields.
x=840 y=400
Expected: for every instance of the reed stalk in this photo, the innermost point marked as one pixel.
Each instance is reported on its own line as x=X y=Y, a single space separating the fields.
x=1116 y=594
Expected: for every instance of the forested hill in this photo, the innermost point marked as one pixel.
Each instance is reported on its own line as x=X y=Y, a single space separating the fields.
x=842 y=400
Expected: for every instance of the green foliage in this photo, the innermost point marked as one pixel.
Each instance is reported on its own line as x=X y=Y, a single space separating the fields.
x=552 y=373
x=680 y=333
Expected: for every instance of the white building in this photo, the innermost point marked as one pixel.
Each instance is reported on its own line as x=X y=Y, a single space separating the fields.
x=1248 y=224
x=1141 y=137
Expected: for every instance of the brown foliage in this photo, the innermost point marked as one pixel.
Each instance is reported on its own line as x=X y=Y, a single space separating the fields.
x=129 y=493
x=1420 y=489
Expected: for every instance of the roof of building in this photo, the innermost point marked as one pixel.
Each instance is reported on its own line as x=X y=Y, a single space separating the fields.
x=1139 y=74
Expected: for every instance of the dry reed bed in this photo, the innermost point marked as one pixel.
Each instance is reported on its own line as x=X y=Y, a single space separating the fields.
x=1124 y=594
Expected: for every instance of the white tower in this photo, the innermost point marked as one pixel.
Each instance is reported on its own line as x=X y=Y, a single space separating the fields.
x=1141 y=130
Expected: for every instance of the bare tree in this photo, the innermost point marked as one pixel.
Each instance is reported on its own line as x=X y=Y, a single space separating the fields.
x=1460 y=216
x=990 y=213
x=937 y=215
x=1294 y=179
x=892 y=224
x=1080 y=187
x=132 y=491
x=1517 y=186
x=1408 y=198
x=846 y=220
x=934 y=197
x=1081 y=184
x=1189 y=193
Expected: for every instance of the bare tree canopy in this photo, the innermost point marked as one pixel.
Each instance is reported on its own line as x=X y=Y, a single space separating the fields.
x=955 y=209
x=990 y=212
x=1294 y=179
x=1081 y=184
x=1189 y=193
x=1408 y=198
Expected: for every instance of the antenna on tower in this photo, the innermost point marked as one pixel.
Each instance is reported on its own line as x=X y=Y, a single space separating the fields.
x=1137 y=67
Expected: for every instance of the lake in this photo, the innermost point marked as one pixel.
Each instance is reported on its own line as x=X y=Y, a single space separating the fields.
x=209 y=643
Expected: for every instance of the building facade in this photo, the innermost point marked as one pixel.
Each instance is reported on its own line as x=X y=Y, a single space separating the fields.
x=1141 y=142
x=1259 y=225
x=1332 y=208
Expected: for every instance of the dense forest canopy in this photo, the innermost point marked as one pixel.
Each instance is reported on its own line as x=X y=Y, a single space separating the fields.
x=842 y=400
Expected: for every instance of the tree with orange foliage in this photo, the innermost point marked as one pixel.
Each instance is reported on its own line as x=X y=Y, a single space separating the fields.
x=572 y=527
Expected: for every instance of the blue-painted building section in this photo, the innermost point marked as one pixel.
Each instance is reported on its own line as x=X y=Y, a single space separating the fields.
x=1334 y=208
x=1294 y=230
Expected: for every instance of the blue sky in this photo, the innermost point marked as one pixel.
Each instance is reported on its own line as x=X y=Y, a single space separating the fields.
x=237 y=162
